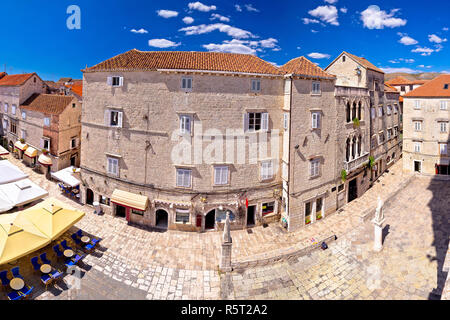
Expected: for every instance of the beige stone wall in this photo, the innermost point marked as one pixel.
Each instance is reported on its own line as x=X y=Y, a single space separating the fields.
x=69 y=127
x=430 y=136
x=346 y=73
x=151 y=103
x=317 y=143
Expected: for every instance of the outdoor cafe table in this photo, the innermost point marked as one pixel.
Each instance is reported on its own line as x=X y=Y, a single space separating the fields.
x=68 y=253
x=85 y=239
x=17 y=284
x=46 y=268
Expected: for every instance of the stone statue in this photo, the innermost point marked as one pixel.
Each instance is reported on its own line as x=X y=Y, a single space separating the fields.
x=379 y=215
x=226 y=230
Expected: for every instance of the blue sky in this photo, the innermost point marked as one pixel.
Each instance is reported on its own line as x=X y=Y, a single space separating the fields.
x=402 y=35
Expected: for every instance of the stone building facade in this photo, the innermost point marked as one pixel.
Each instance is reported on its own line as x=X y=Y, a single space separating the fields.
x=426 y=128
x=178 y=139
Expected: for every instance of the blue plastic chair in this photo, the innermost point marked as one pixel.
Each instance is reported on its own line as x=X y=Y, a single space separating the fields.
x=15 y=295
x=77 y=258
x=75 y=238
x=58 y=252
x=46 y=279
x=89 y=247
x=65 y=246
x=26 y=291
x=4 y=278
x=95 y=241
x=79 y=233
x=56 y=274
x=35 y=263
x=16 y=273
x=44 y=258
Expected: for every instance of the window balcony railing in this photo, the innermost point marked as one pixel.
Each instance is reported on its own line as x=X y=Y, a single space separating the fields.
x=351 y=91
x=354 y=164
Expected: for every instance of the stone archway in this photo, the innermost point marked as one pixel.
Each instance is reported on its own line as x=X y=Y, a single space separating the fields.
x=210 y=220
x=161 y=219
x=89 y=196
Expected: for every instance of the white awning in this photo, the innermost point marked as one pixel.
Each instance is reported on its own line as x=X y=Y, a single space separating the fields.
x=21 y=192
x=10 y=173
x=3 y=151
x=66 y=177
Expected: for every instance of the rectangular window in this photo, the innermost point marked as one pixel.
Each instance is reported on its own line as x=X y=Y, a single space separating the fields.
x=184 y=178
x=13 y=109
x=443 y=127
x=389 y=110
x=104 y=200
x=389 y=134
x=417 y=146
x=13 y=128
x=23 y=134
x=268 y=208
x=395 y=109
x=381 y=137
x=319 y=206
x=416 y=104
x=373 y=142
x=185 y=124
x=6 y=108
x=395 y=131
x=286 y=121
x=316 y=87
x=314 y=168
x=380 y=112
x=47 y=122
x=137 y=212
x=73 y=143
x=182 y=216
x=308 y=209
x=186 y=83
x=417 y=125
x=115 y=81
x=221 y=175
x=257 y=121
x=402 y=88
x=46 y=143
x=443 y=105
x=113 y=166
x=24 y=115
x=443 y=148
x=266 y=170
x=373 y=113
x=256 y=85
x=115 y=118
x=315 y=117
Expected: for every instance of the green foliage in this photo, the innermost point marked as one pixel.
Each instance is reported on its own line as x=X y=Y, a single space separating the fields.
x=371 y=162
x=356 y=122
x=343 y=175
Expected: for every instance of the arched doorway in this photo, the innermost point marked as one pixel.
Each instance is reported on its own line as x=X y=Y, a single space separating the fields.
x=210 y=220
x=162 y=219
x=89 y=196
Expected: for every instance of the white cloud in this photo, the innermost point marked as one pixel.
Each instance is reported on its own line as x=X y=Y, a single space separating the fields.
x=201 y=7
x=314 y=31
x=438 y=47
x=238 y=7
x=167 y=13
x=407 y=41
x=188 y=20
x=308 y=21
x=162 y=43
x=215 y=16
x=331 y=1
x=394 y=70
x=424 y=51
x=229 y=30
x=393 y=61
x=316 y=55
x=374 y=18
x=434 y=38
x=250 y=7
x=343 y=10
x=141 y=31
x=243 y=46
x=402 y=60
x=445 y=29
x=327 y=14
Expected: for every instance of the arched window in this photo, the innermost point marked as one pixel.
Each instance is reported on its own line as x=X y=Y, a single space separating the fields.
x=354 y=148
x=359 y=146
x=359 y=111
x=348 y=112
x=354 y=111
x=347 y=150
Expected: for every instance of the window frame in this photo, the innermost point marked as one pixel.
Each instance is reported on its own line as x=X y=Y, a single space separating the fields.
x=47 y=119
x=441 y=145
x=266 y=171
x=258 y=85
x=417 y=146
x=443 y=105
x=221 y=168
x=186 y=80
x=182 y=119
x=314 y=86
x=286 y=121
x=443 y=124
x=44 y=140
x=417 y=126
x=117 y=166
x=314 y=167
x=316 y=123
x=272 y=203
x=183 y=213
x=183 y=171
x=263 y=119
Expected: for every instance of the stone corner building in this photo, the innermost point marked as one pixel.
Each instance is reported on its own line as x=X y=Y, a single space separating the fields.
x=426 y=132
x=290 y=140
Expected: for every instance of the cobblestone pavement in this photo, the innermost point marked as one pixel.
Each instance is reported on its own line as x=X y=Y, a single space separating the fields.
x=134 y=263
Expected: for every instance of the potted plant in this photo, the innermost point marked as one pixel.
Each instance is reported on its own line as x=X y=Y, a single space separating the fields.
x=356 y=123
x=308 y=220
x=319 y=216
x=22 y=141
x=343 y=175
x=44 y=151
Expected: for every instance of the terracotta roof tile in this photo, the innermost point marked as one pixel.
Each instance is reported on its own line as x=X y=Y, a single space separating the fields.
x=388 y=88
x=434 y=88
x=185 y=60
x=15 y=79
x=400 y=81
x=76 y=87
x=47 y=103
x=302 y=66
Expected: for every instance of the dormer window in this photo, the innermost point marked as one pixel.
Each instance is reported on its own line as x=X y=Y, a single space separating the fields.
x=446 y=86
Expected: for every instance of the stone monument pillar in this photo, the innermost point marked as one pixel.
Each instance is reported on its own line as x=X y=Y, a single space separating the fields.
x=378 y=227
x=225 y=257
